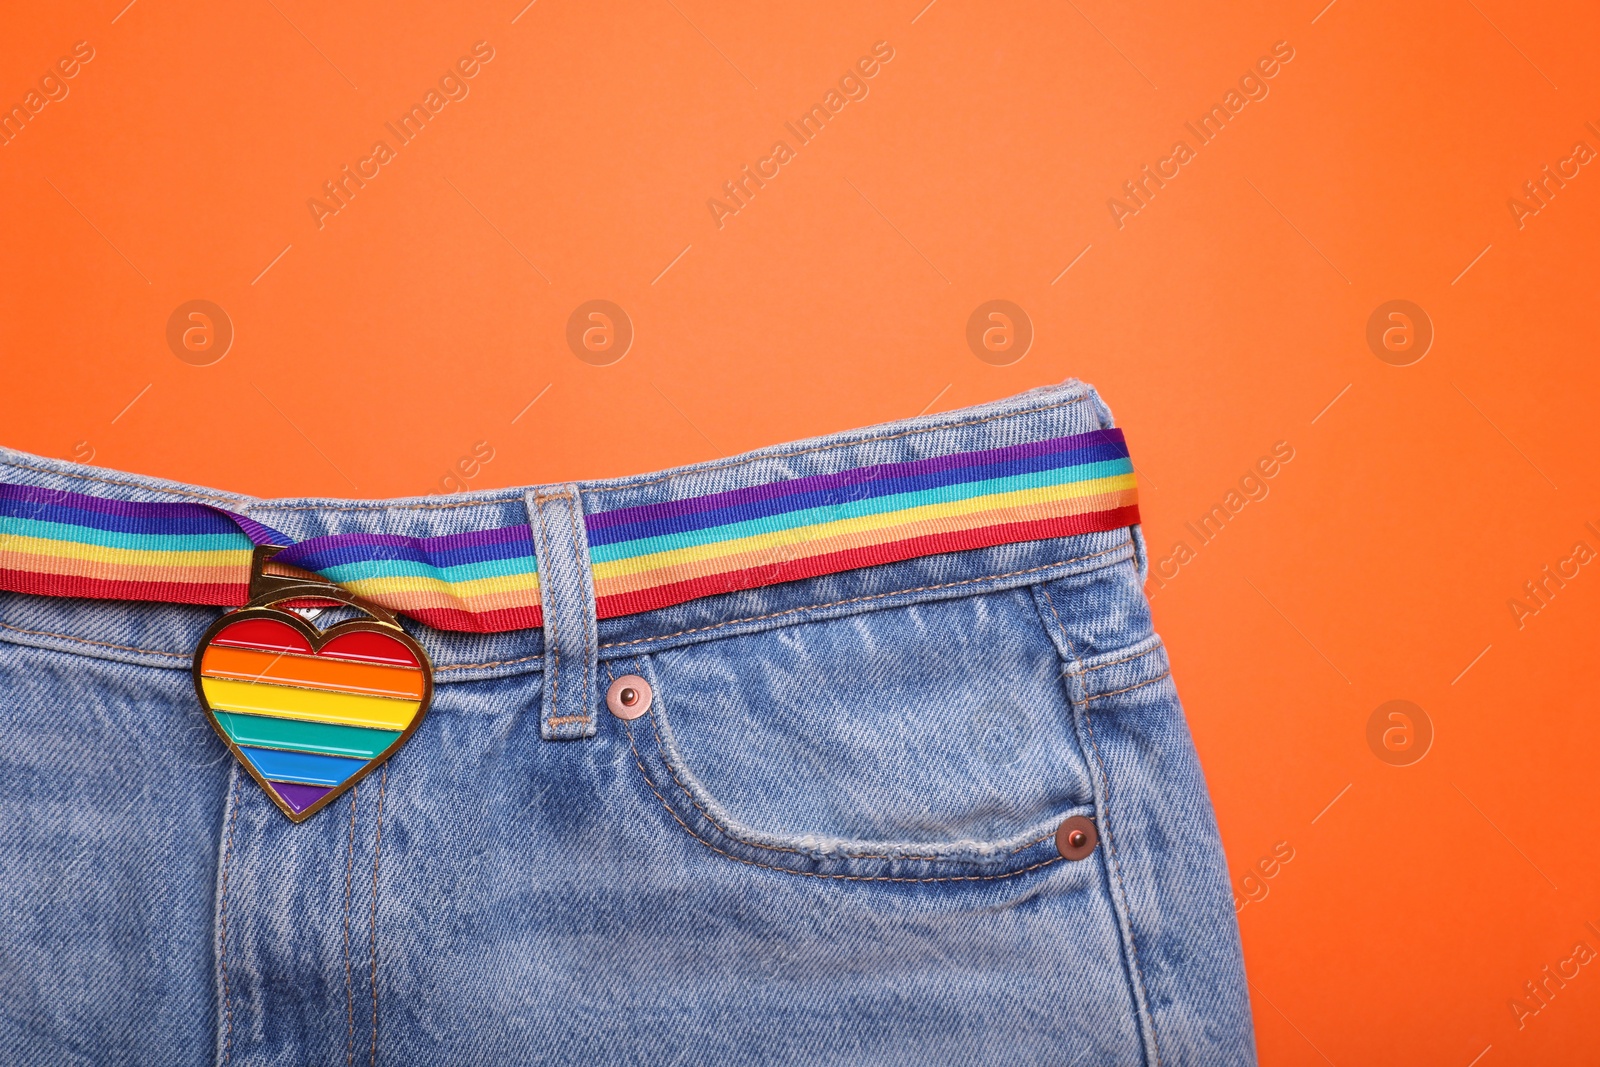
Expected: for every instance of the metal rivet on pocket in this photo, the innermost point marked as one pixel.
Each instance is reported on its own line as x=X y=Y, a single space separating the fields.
x=1076 y=837
x=629 y=698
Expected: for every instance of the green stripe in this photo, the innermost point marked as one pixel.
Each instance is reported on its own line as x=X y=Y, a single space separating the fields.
x=328 y=739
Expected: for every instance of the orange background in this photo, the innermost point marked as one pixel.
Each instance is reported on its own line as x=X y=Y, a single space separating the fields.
x=379 y=354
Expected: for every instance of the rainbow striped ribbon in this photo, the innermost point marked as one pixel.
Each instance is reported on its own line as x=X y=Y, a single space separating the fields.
x=57 y=543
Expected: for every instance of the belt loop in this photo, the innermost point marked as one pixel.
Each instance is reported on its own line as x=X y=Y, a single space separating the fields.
x=566 y=592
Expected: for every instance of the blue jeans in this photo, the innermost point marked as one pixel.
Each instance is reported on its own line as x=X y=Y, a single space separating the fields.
x=832 y=838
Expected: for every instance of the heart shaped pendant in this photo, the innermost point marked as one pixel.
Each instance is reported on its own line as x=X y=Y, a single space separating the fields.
x=309 y=712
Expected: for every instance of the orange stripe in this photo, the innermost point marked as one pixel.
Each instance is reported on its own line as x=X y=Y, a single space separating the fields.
x=767 y=557
x=126 y=572
x=311 y=672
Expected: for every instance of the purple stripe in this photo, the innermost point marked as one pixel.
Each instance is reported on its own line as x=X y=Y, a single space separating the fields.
x=816 y=482
x=333 y=550
x=259 y=533
x=300 y=797
x=35 y=494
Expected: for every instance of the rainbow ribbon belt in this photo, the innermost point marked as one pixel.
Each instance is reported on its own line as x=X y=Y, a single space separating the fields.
x=58 y=543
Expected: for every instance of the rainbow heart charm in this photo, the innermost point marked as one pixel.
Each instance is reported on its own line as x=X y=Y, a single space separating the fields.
x=308 y=712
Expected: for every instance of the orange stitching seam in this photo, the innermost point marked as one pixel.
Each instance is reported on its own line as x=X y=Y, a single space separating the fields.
x=871 y=596
x=1105 y=831
x=349 y=983
x=492 y=663
x=99 y=644
x=579 y=538
x=222 y=951
x=725 y=832
x=1035 y=841
x=813 y=607
x=551 y=644
x=680 y=633
x=1125 y=659
x=673 y=771
x=1163 y=676
x=377 y=852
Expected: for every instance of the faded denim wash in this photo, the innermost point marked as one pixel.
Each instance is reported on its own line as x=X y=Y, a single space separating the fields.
x=829 y=842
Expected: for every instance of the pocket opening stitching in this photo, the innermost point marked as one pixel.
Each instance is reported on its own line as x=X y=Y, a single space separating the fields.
x=639 y=762
x=688 y=794
x=673 y=770
x=1030 y=844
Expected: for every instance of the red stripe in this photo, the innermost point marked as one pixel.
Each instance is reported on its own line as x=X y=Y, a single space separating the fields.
x=262 y=635
x=271 y=635
x=661 y=596
x=216 y=594
x=368 y=646
x=486 y=622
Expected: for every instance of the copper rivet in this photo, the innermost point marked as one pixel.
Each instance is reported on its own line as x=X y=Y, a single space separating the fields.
x=1076 y=837
x=628 y=697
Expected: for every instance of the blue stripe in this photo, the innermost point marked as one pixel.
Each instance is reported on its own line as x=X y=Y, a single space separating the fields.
x=307 y=768
x=89 y=535
x=865 y=489
x=185 y=519
x=873 y=506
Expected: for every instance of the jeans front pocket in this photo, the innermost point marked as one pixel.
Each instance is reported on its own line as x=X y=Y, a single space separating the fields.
x=927 y=742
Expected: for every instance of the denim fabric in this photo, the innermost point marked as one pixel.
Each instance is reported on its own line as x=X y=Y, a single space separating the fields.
x=830 y=841
x=566 y=588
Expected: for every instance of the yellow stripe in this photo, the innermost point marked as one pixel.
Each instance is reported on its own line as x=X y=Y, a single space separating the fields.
x=221 y=558
x=424 y=600
x=309 y=705
x=883 y=520
x=376 y=588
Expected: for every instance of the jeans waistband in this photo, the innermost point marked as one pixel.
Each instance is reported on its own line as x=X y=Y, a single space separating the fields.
x=596 y=542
